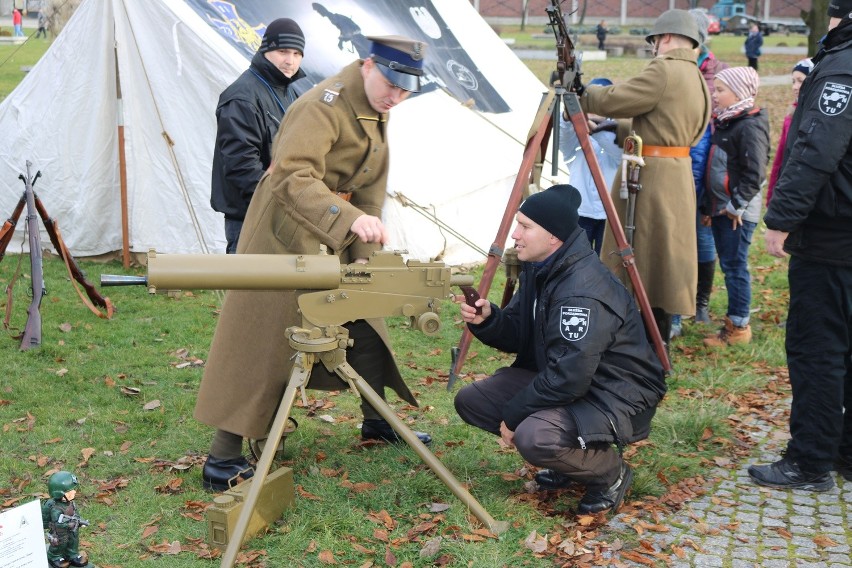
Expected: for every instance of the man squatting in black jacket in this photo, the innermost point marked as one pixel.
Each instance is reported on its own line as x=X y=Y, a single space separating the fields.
x=810 y=218
x=585 y=376
x=248 y=115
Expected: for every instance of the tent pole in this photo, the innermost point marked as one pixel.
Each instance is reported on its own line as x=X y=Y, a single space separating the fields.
x=122 y=168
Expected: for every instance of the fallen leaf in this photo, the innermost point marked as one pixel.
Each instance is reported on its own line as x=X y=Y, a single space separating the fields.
x=537 y=544
x=65 y=327
x=431 y=548
x=327 y=557
x=151 y=405
x=149 y=531
x=824 y=541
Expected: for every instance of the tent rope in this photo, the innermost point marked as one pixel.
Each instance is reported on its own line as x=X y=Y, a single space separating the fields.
x=196 y=225
x=430 y=214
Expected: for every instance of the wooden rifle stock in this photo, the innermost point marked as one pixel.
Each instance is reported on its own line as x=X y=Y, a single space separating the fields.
x=32 y=331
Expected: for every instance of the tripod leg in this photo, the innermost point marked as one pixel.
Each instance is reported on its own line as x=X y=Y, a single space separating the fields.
x=537 y=140
x=347 y=373
x=572 y=105
x=299 y=376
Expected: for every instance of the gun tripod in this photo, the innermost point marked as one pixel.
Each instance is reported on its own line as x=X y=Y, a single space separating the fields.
x=547 y=120
x=327 y=345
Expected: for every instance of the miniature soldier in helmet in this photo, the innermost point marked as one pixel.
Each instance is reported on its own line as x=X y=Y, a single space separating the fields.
x=60 y=518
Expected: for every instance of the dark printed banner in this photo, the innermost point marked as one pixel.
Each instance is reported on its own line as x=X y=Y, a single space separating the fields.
x=335 y=33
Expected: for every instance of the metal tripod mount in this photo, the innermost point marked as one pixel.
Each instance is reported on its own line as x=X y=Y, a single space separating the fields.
x=327 y=345
x=547 y=119
x=331 y=295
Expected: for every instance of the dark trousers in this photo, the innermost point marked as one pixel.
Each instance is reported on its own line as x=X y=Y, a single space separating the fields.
x=819 y=357
x=594 y=231
x=232 y=235
x=752 y=62
x=547 y=438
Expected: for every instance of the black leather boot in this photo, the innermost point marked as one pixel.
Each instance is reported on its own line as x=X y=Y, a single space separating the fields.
x=223 y=474
x=706 y=270
x=379 y=429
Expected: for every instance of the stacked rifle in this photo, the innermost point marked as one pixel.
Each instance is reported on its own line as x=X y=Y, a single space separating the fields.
x=31 y=336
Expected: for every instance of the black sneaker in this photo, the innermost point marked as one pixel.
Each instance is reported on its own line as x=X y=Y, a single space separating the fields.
x=787 y=474
x=550 y=480
x=221 y=475
x=379 y=429
x=595 y=501
x=843 y=466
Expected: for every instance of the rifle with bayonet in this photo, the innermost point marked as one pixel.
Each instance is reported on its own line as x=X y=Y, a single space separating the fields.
x=32 y=331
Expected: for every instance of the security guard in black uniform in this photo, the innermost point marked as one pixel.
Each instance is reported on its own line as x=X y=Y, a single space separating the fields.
x=810 y=218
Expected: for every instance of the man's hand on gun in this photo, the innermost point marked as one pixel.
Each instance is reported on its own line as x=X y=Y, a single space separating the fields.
x=469 y=313
x=370 y=229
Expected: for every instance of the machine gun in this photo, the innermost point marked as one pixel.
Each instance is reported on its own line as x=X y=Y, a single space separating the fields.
x=385 y=286
x=63 y=518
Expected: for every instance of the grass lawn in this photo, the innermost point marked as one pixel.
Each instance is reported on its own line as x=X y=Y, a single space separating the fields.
x=112 y=401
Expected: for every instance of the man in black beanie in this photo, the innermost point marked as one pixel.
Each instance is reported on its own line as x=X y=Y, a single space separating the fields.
x=810 y=218
x=248 y=115
x=585 y=377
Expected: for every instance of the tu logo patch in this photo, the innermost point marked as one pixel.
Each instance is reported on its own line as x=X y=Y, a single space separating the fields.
x=574 y=323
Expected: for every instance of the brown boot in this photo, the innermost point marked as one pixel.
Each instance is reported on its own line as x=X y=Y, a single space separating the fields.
x=729 y=335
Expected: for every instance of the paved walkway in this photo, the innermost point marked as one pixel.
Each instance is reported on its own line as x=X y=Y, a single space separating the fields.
x=737 y=524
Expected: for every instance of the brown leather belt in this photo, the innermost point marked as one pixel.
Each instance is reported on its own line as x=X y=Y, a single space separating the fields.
x=344 y=195
x=665 y=151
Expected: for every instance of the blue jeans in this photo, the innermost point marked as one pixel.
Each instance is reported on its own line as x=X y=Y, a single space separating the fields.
x=706 y=245
x=732 y=248
x=594 y=231
x=232 y=235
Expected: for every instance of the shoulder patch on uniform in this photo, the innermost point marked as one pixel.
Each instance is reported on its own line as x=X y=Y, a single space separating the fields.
x=329 y=97
x=834 y=98
x=573 y=322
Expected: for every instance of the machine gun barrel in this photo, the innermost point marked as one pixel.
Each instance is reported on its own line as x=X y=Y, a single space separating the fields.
x=385 y=286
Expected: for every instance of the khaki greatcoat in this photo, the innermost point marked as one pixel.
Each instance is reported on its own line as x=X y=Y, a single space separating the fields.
x=331 y=140
x=669 y=105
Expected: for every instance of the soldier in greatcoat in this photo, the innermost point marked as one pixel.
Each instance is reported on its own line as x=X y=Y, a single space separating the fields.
x=669 y=105
x=326 y=186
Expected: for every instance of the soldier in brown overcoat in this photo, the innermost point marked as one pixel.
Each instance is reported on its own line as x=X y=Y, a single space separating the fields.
x=326 y=186
x=670 y=106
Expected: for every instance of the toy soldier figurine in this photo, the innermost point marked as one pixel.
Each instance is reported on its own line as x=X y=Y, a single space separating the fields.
x=60 y=518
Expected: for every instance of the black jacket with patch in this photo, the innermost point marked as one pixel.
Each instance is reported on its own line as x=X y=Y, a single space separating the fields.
x=813 y=197
x=587 y=343
x=248 y=117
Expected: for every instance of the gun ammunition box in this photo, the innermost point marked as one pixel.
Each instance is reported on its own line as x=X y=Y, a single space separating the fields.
x=276 y=496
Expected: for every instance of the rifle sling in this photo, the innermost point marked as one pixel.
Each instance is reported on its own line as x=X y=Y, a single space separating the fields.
x=66 y=256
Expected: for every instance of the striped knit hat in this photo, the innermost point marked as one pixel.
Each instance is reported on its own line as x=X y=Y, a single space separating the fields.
x=743 y=81
x=283 y=33
x=804 y=66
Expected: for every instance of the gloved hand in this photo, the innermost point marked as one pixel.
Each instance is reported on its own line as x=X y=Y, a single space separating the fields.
x=578 y=86
x=605 y=125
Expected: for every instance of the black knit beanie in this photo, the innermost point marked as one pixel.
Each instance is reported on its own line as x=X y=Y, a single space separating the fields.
x=555 y=209
x=283 y=33
x=839 y=8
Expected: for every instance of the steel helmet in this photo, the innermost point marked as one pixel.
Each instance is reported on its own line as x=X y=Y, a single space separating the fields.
x=678 y=22
x=61 y=483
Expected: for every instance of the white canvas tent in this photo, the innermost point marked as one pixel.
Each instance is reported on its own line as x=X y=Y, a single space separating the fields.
x=171 y=59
